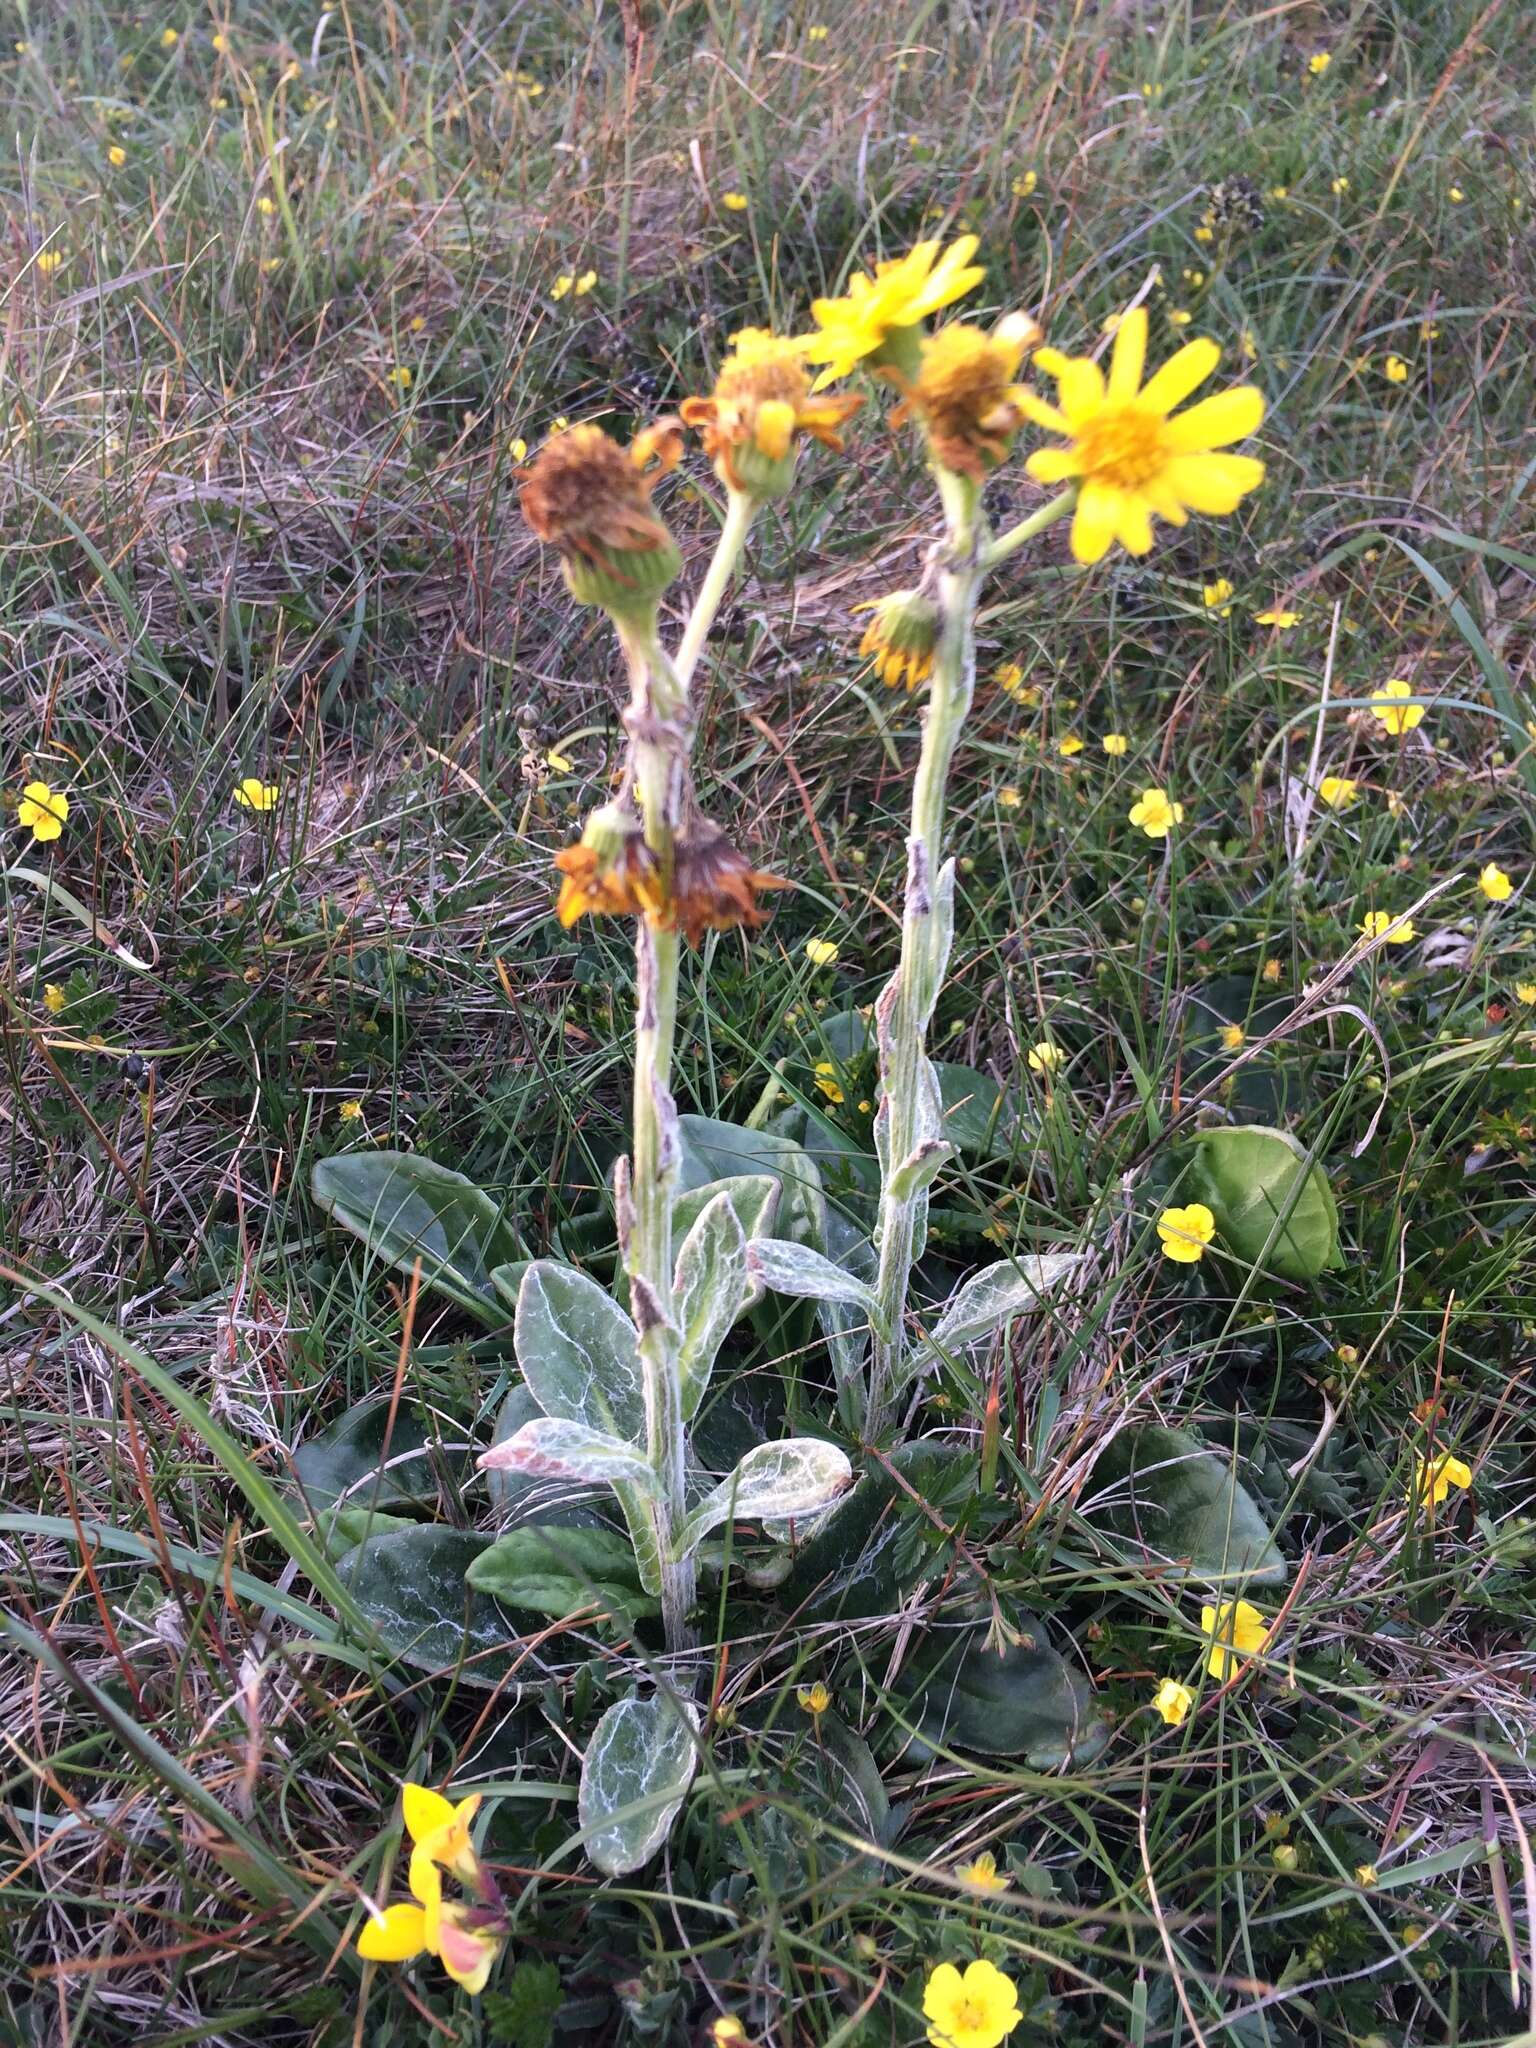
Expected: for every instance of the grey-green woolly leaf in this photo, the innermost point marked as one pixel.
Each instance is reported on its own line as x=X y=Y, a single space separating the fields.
x=794 y=1477
x=410 y=1210
x=363 y=1461
x=550 y=1447
x=579 y=1352
x=712 y=1150
x=561 y=1571
x=411 y=1585
x=1182 y=1507
x=634 y=1779
x=789 y=1268
x=1273 y=1206
x=980 y=1306
x=710 y=1289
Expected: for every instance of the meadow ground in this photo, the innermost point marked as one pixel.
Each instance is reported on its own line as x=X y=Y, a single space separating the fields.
x=287 y=295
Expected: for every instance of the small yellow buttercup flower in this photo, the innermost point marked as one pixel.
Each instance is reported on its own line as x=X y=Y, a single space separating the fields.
x=1233 y=1037
x=1173 y=1701
x=1156 y=813
x=1024 y=184
x=1216 y=597
x=1009 y=797
x=1044 y=1058
x=825 y=1076
x=1271 y=971
x=735 y=202
x=169 y=38
x=1278 y=617
x=400 y=376
x=1525 y=992
x=117 y=156
x=1395 y=370
x=1390 y=706
x=1185 y=1233
x=1434 y=1477
x=821 y=952
x=1366 y=1876
x=1236 y=1630
x=1495 y=884
x=49 y=260
x=1009 y=678
x=1132 y=456
x=1115 y=744
x=818 y=33
x=978 y=2009
x=728 y=2032
x=983 y=1875
x=1339 y=187
x=252 y=794
x=42 y=811
x=350 y=1112
x=1455 y=194
x=1319 y=61
x=1069 y=746
x=1337 y=791
x=1381 y=924
x=54 y=998
x=813 y=1699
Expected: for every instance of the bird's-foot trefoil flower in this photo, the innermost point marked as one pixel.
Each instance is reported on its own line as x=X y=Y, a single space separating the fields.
x=1434 y=1477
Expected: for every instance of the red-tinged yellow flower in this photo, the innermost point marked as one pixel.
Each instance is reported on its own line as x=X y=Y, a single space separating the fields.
x=1236 y=1630
x=760 y=406
x=1132 y=456
x=965 y=392
x=42 y=811
x=1434 y=1477
x=902 y=633
x=465 y=1939
x=610 y=872
x=880 y=316
x=978 y=2008
x=714 y=888
x=439 y=1830
x=591 y=499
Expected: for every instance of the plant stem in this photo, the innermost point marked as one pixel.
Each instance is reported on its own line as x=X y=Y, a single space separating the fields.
x=906 y=1007
x=657 y=719
x=733 y=537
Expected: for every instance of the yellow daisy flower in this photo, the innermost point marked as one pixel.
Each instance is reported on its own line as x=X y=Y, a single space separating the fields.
x=1131 y=455
x=880 y=315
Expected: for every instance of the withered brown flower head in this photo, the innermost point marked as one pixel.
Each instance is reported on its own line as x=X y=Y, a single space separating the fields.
x=714 y=888
x=586 y=495
x=965 y=393
x=611 y=872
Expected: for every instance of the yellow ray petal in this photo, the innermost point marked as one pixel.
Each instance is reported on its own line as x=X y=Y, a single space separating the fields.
x=1082 y=388
x=1182 y=373
x=1054 y=465
x=1223 y=417
x=1133 y=530
x=1094 y=522
x=1044 y=415
x=1130 y=354
x=1214 y=483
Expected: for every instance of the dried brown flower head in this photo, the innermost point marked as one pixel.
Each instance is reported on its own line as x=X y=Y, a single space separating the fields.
x=714 y=888
x=610 y=872
x=591 y=499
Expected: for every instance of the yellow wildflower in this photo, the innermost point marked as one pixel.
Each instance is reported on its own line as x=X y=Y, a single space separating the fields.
x=760 y=405
x=49 y=260
x=879 y=316
x=1045 y=1058
x=400 y=376
x=1271 y=971
x=1434 y=1477
x=169 y=38
x=983 y=1875
x=117 y=156
x=1069 y=746
x=54 y=998
x=439 y=1831
x=1366 y=1876
x=1115 y=744
x=1381 y=924
x=813 y=1699
x=1339 y=187
x=1180 y=316
x=1319 y=61
x=1495 y=884
x=1395 y=370
x=465 y=1939
x=1236 y=1630
x=977 y=2010
x=1009 y=797
x=965 y=395
x=1173 y=1701
x=1233 y=1037
x=1024 y=184
x=1009 y=678
x=42 y=810
x=1132 y=456
x=1214 y=596
x=350 y=1112
x=825 y=1076
x=1278 y=617
x=818 y=33
x=1337 y=791
x=1155 y=813
x=821 y=952
x=563 y=285
x=1455 y=195
x=902 y=633
x=1389 y=705
x=252 y=794
x=1525 y=992
x=1185 y=1233
x=735 y=202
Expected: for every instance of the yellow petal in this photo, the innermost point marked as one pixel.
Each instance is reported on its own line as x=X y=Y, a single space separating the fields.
x=1054 y=465
x=1225 y=416
x=1094 y=522
x=1035 y=408
x=1082 y=388
x=1130 y=354
x=394 y=1938
x=1181 y=374
x=1134 y=528
x=1214 y=483
x=425 y=1811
